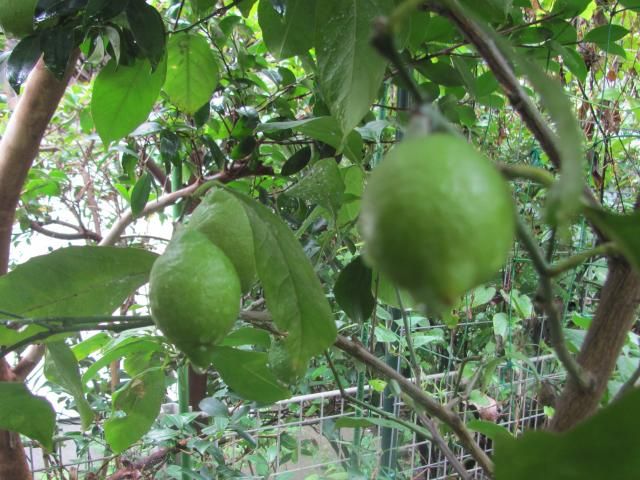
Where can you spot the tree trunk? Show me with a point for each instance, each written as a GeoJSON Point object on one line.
{"type": "Point", "coordinates": [18, 149]}
{"type": "Point", "coordinates": [616, 314]}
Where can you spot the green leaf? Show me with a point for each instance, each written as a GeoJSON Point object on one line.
{"type": "Point", "coordinates": [26, 413]}
{"type": "Point", "coordinates": [573, 60]}
{"type": "Point", "coordinates": [293, 292]}
{"type": "Point", "coordinates": [296, 162]}
{"type": "Point", "coordinates": [123, 96]}
{"type": "Point", "coordinates": [353, 290]}
{"type": "Point", "coordinates": [247, 374]}
{"type": "Point", "coordinates": [140, 194]}
{"type": "Point", "coordinates": [288, 29]}
{"type": "Point", "coordinates": [140, 400]}
{"type": "Point", "coordinates": [192, 71]}
{"type": "Point", "coordinates": [606, 34]}
{"type": "Point", "coordinates": [353, 422]}
{"type": "Point", "coordinates": [564, 197]}
{"type": "Point", "coordinates": [323, 185]}
{"type": "Point", "coordinates": [148, 30]}
{"type": "Point", "coordinates": [74, 281]}
{"type": "Point", "coordinates": [489, 429]}
{"type": "Point", "coordinates": [624, 230]}
{"type": "Point", "coordinates": [202, 6]}
{"type": "Point", "coordinates": [569, 8]}
{"type": "Point", "coordinates": [597, 448]}
{"type": "Point", "coordinates": [350, 71]}
{"type": "Point", "coordinates": [23, 58]}
{"type": "Point", "coordinates": [57, 44]}
{"type": "Point", "coordinates": [118, 349]}
{"type": "Point", "coordinates": [247, 336]}
{"type": "Point", "coordinates": [245, 6]}
{"type": "Point", "coordinates": [325, 129]}
{"type": "Point", "coordinates": [85, 348]}
{"type": "Point", "coordinates": [61, 368]}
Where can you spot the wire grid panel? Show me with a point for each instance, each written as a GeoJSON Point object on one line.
{"type": "Point", "coordinates": [306, 443]}
{"type": "Point", "coordinates": [414, 457]}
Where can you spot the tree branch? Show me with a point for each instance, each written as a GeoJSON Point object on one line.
{"type": "Point", "coordinates": [81, 235]}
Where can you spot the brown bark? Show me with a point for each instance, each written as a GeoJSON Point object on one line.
{"type": "Point", "coordinates": [197, 388]}
{"type": "Point", "coordinates": [18, 149]}
{"type": "Point", "coordinates": [616, 314]}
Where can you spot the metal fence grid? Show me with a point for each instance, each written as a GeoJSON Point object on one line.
{"type": "Point", "coordinates": [323, 451]}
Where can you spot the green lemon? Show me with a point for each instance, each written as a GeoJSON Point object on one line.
{"type": "Point", "coordinates": [222, 218]}
{"type": "Point", "coordinates": [194, 294]}
{"type": "Point", "coordinates": [437, 218]}
{"type": "Point", "coordinates": [16, 16]}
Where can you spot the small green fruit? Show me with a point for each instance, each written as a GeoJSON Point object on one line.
{"type": "Point", "coordinates": [224, 221]}
{"type": "Point", "coordinates": [437, 218]}
{"type": "Point", "coordinates": [194, 293]}
{"type": "Point", "coordinates": [16, 16]}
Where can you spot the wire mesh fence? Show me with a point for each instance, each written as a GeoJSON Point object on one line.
{"type": "Point", "coordinates": [306, 437]}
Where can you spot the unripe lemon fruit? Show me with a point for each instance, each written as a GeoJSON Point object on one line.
{"type": "Point", "coordinates": [437, 218]}
{"type": "Point", "coordinates": [194, 294]}
{"type": "Point", "coordinates": [16, 16]}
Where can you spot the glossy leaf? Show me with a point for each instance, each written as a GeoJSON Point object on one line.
{"type": "Point", "coordinates": [57, 45]}
{"type": "Point", "coordinates": [123, 96]}
{"type": "Point", "coordinates": [323, 185]}
{"type": "Point", "coordinates": [288, 29]}
{"type": "Point", "coordinates": [350, 71]}
{"type": "Point", "coordinates": [26, 413]}
{"type": "Point", "coordinates": [74, 281]}
{"type": "Point", "coordinates": [606, 34]}
{"type": "Point", "coordinates": [192, 71]}
{"type": "Point", "coordinates": [23, 58]}
{"type": "Point", "coordinates": [148, 30]}
{"type": "Point", "coordinates": [325, 129]}
{"type": "Point", "coordinates": [246, 373]}
{"type": "Point", "coordinates": [597, 448]}
{"type": "Point", "coordinates": [140, 400]}
{"type": "Point", "coordinates": [293, 292]}
{"type": "Point", "coordinates": [61, 368]}
{"type": "Point", "coordinates": [353, 290]}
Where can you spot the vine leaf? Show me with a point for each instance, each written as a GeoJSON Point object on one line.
{"type": "Point", "coordinates": [624, 230]}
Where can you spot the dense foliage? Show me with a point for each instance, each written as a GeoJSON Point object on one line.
{"type": "Point", "coordinates": [255, 124]}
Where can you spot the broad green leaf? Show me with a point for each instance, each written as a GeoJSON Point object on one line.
{"type": "Point", "coordinates": [57, 44]}
{"type": "Point", "coordinates": [325, 129]}
{"type": "Point", "coordinates": [293, 292]}
{"type": "Point", "coordinates": [350, 71]}
{"type": "Point", "coordinates": [573, 60]}
{"type": "Point", "coordinates": [606, 34]}
{"type": "Point", "coordinates": [353, 291]}
{"type": "Point", "coordinates": [72, 282]}
{"type": "Point", "coordinates": [61, 368]}
{"type": "Point", "coordinates": [624, 230]}
{"type": "Point", "coordinates": [353, 178]}
{"type": "Point", "coordinates": [501, 325]}
{"type": "Point", "coordinates": [147, 27]}
{"type": "Point", "coordinates": [322, 185]}
{"type": "Point", "coordinates": [123, 96]}
{"type": "Point", "coordinates": [202, 6]}
{"type": "Point", "coordinates": [569, 8]}
{"type": "Point", "coordinates": [192, 71]}
{"type": "Point", "coordinates": [287, 28]}
{"type": "Point", "coordinates": [247, 374]}
{"type": "Point", "coordinates": [140, 400]}
{"type": "Point", "coordinates": [140, 194]}
{"type": "Point", "coordinates": [26, 413]}
{"type": "Point", "coordinates": [598, 448]}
